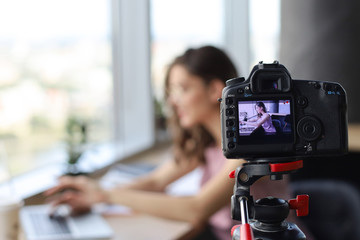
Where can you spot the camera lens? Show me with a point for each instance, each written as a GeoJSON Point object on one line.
{"type": "Point", "coordinates": [309, 128]}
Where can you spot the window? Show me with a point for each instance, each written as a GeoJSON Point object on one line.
{"type": "Point", "coordinates": [102, 61]}
{"type": "Point", "coordinates": [264, 25]}
{"type": "Point", "coordinates": [175, 26]}
{"type": "Point", "coordinates": [247, 30]}
{"type": "Point", "coordinates": [65, 58]}
{"type": "Point", "coordinates": [55, 63]}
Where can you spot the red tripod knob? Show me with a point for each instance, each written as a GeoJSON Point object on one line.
{"type": "Point", "coordinates": [242, 232]}
{"type": "Point", "coordinates": [301, 204]}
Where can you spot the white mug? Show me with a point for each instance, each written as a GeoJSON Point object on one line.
{"type": "Point", "coordinates": [9, 217]}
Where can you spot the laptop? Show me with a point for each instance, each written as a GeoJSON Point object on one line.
{"type": "Point", "coordinates": [38, 225]}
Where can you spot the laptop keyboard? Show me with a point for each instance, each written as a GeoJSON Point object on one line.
{"type": "Point", "coordinates": [44, 225]}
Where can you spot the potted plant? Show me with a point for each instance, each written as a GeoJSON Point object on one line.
{"type": "Point", "coordinates": [76, 140]}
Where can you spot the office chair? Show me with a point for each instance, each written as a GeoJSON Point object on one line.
{"type": "Point", "coordinates": [334, 208]}
{"type": "Point", "coordinates": [277, 125]}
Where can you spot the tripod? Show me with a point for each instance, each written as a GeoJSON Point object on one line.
{"type": "Point", "coordinates": [265, 218]}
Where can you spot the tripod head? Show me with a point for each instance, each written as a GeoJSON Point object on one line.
{"type": "Point", "coordinates": [267, 214]}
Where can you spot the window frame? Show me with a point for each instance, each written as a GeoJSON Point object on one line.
{"type": "Point", "coordinates": [236, 36]}
{"type": "Point", "coordinates": [131, 74]}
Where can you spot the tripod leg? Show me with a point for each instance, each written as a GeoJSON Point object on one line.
{"type": "Point", "coordinates": [243, 231]}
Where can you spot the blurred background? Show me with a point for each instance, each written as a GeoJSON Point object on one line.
{"type": "Point", "coordinates": [103, 62]}
{"type": "Point", "coordinates": [57, 61]}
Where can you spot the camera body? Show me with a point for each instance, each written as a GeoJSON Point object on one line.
{"type": "Point", "coordinates": [271, 115]}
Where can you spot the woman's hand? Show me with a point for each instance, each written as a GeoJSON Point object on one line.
{"type": "Point", "coordinates": [78, 192]}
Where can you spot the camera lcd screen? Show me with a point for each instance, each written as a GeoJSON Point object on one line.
{"type": "Point", "coordinates": [265, 121]}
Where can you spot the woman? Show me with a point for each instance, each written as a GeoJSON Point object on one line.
{"type": "Point", "coordinates": [263, 120]}
{"type": "Point", "coordinates": [194, 83]}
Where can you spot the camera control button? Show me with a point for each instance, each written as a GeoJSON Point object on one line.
{"type": "Point", "coordinates": [327, 87]}
{"type": "Point", "coordinates": [229, 101]}
{"type": "Point", "coordinates": [231, 145]}
{"type": "Point", "coordinates": [302, 101]}
{"type": "Point", "coordinates": [241, 90]}
{"type": "Point", "coordinates": [229, 112]}
{"type": "Point", "coordinates": [230, 134]}
{"type": "Point", "coordinates": [230, 123]}
{"type": "Point", "coordinates": [337, 88]}
{"type": "Point", "coordinates": [317, 86]}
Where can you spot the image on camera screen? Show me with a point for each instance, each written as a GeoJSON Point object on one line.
{"type": "Point", "coordinates": [263, 119]}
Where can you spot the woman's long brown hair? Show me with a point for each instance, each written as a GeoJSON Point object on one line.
{"type": "Point", "coordinates": [208, 63]}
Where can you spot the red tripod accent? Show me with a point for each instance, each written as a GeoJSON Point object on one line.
{"type": "Point", "coordinates": [245, 177]}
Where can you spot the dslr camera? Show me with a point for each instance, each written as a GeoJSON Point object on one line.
{"type": "Point", "coordinates": [272, 115]}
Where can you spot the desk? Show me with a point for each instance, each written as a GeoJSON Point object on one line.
{"type": "Point", "coordinates": [141, 226]}
{"type": "Point", "coordinates": [354, 137]}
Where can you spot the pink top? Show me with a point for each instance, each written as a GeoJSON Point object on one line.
{"type": "Point", "coordinates": [221, 221]}
{"type": "Point", "coordinates": [268, 126]}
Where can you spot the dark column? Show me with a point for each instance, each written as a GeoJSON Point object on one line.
{"type": "Point", "coordinates": [320, 40]}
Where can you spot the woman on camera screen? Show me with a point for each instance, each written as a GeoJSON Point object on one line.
{"type": "Point", "coordinates": [194, 82]}
{"type": "Point", "coordinates": [263, 122]}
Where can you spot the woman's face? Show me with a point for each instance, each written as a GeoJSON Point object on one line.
{"type": "Point", "coordinates": [259, 109]}
{"type": "Point", "coordinates": [190, 97]}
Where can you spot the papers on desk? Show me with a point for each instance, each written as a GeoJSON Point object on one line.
{"type": "Point", "coordinates": [188, 185]}
{"type": "Point", "coordinates": [121, 174]}
{"type": "Point", "coordinates": [113, 209]}
{"type": "Point", "coordinates": [125, 173]}
{"type": "Point", "coordinates": [118, 175]}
